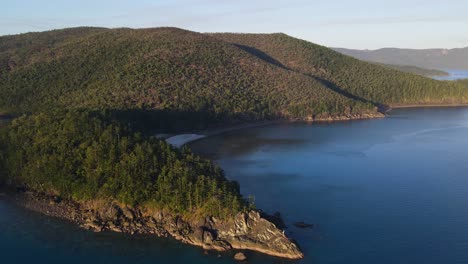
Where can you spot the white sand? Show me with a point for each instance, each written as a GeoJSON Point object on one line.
{"type": "Point", "coordinates": [182, 139]}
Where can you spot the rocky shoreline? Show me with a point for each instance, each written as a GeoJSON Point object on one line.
{"type": "Point", "coordinates": [344, 117]}
{"type": "Point", "coordinates": [246, 231]}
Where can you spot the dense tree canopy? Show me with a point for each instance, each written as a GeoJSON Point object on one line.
{"type": "Point", "coordinates": [163, 69]}
{"type": "Point", "coordinates": [83, 156]}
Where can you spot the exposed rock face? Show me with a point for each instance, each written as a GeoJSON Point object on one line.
{"type": "Point", "coordinates": [247, 230]}
{"type": "Point", "coordinates": [250, 231]}
{"type": "Point", "coordinates": [326, 117]}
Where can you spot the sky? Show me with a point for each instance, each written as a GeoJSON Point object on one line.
{"type": "Point", "coordinates": [358, 24]}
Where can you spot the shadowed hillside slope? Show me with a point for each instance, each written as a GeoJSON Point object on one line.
{"type": "Point", "coordinates": [363, 80]}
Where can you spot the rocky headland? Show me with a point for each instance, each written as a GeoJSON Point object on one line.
{"type": "Point", "coordinates": [246, 231]}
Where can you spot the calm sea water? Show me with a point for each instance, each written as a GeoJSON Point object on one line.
{"type": "Point", "coordinates": [391, 190]}
{"type": "Point", "coordinates": [453, 75]}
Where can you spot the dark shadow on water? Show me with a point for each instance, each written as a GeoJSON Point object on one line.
{"type": "Point", "coordinates": [234, 145]}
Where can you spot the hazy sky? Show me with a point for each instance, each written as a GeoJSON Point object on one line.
{"type": "Point", "coordinates": [352, 24]}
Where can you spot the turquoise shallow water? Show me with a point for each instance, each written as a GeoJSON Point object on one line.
{"type": "Point", "coordinates": [391, 190]}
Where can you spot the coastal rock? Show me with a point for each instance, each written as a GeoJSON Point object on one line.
{"type": "Point", "coordinates": [247, 230]}
{"type": "Point", "coordinates": [251, 231]}
{"type": "Point", "coordinates": [111, 212]}
{"type": "Point", "coordinates": [93, 225]}
{"type": "Point", "coordinates": [208, 237]}
{"type": "Point", "coordinates": [128, 213]}
{"type": "Point", "coordinates": [275, 219]}
{"type": "Point", "coordinates": [240, 256]}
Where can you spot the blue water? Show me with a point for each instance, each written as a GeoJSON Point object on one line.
{"type": "Point", "coordinates": [391, 190]}
{"type": "Point", "coordinates": [453, 75]}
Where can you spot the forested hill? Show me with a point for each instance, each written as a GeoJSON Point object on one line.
{"type": "Point", "coordinates": [164, 69]}
{"type": "Point", "coordinates": [367, 81]}
{"type": "Point", "coordinates": [200, 78]}
{"type": "Point", "coordinates": [425, 58]}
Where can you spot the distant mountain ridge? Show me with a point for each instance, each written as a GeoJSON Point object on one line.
{"type": "Point", "coordinates": [442, 59]}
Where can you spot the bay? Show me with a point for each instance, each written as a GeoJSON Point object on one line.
{"type": "Point", "coordinates": [392, 190]}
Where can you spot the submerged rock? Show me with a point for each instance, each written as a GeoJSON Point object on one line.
{"type": "Point", "coordinates": [240, 256]}
{"type": "Point", "coordinates": [303, 225]}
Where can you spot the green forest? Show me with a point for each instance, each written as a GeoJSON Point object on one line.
{"type": "Point", "coordinates": [83, 155]}
{"type": "Point", "coordinates": [87, 101]}
{"type": "Point", "coordinates": [218, 78]}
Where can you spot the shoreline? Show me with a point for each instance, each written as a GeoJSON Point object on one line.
{"type": "Point", "coordinates": [226, 129]}
{"type": "Point", "coordinates": [249, 230]}
{"type": "Point", "coordinates": [202, 134]}
{"type": "Point", "coordinates": [425, 106]}
{"type": "Point", "coordinates": [215, 234]}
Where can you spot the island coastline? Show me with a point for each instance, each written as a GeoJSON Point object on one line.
{"type": "Point", "coordinates": [249, 230]}
{"type": "Point", "coordinates": [174, 226]}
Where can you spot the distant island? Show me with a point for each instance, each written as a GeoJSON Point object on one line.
{"type": "Point", "coordinates": [439, 59]}
{"type": "Point", "coordinates": [88, 102]}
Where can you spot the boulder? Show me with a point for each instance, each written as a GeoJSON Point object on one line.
{"type": "Point", "coordinates": [111, 212]}
{"type": "Point", "coordinates": [128, 213]}
{"type": "Point", "coordinates": [208, 237]}
{"type": "Point", "coordinates": [239, 256]}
